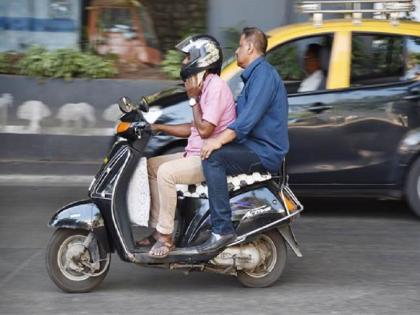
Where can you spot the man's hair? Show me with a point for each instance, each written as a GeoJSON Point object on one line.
{"type": "Point", "coordinates": [257, 37]}
{"type": "Point", "coordinates": [314, 50]}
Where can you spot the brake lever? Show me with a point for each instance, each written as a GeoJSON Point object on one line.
{"type": "Point", "coordinates": [138, 128]}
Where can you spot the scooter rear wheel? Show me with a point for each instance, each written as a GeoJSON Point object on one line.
{"type": "Point", "coordinates": [270, 270]}
{"type": "Point", "coordinates": [62, 269]}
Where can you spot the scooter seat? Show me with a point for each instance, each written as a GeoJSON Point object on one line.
{"type": "Point", "coordinates": [234, 183]}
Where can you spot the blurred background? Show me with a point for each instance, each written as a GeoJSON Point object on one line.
{"type": "Point", "coordinates": [65, 63]}
{"type": "Point", "coordinates": [49, 48]}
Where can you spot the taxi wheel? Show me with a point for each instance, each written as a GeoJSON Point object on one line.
{"type": "Point", "coordinates": [412, 188]}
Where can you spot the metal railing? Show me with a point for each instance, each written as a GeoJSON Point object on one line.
{"type": "Point", "coordinates": [388, 9]}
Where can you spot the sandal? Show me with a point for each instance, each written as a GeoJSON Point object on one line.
{"type": "Point", "coordinates": [161, 249]}
{"type": "Point", "coordinates": [146, 242]}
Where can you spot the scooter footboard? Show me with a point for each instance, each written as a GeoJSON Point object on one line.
{"type": "Point", "coordinates": [84, 215]}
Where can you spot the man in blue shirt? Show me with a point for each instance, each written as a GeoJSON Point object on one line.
{"type": "Point", "coordinates": [256, 142]}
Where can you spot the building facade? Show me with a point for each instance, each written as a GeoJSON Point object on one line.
{"type": "Point", "coordinates": [50, 23]}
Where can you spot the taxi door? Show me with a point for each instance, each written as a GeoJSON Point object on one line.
{"type": "Point", "coordinates": [374, 113]}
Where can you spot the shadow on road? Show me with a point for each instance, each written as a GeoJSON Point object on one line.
{"type": "Point", "coordinates": [52, 198]}
{"type": "Point", "coordinates": [347, 207]}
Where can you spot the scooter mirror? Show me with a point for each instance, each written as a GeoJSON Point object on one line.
{"type": "Point", "coordinates": [125, 104]}
{"type": "Point", "coordinates": [144, 105]}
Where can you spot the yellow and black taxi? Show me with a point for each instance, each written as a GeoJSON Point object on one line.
{"type": "Point", "coordinates": [354, 106]}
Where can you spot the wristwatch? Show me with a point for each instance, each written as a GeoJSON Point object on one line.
{"type": "Point", "coordinates": [192, 101]}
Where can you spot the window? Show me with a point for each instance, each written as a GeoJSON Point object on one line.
{"type": "Point", "coordinates": [302, 68]}
{"type": "Point", "coordinates": [376, 59]}
{"type": "Point", "coordinates": [148, 28]}
{"type": "Point", "coordinates": [412, 59]}
{"type": "Point", "coordinates": [60, 9]}
{"type": "Point", "coordinates": [117, 20]}
{"type": "Point", "coordinates": [303, 63]}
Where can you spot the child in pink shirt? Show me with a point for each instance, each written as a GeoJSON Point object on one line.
{"type": "Point", "coordinates": [213, 110]}
{"type": "Point", "coordinates": [217, 107]}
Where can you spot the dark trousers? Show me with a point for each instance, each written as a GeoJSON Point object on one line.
{"type": "Point", "coordinates": [230, 159]}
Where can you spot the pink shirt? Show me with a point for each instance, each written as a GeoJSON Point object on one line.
{"type": "Point", "coordinates": [218, 108]}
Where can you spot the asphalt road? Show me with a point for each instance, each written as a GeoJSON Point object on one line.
{"type": "Point", "coordinates": [359, 258]}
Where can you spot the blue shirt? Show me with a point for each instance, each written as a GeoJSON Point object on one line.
{"type": "Point", "coordinates": [262, 114]}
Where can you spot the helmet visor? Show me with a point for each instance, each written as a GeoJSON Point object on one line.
{"type": "Point", "coordinates": [185, 45]}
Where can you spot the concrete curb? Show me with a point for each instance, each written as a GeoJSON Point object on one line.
{"type": "Point", "coordinates": [45, 180]}
{"type": "Point", "coordinates": [54, 119]}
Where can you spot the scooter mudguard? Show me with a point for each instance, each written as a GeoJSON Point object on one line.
{"type": "Point", "coordinates": [287, 233]}
{"type": "Point", "coordinates": [84, 215]}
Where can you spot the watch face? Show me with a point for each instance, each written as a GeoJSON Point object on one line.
{"type": "Point", "coordinates": [192, 101]}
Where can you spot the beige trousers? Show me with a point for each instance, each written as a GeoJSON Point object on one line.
{"type": "Point", "coordinates": [165, 171]}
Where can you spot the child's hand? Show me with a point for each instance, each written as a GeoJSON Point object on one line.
{"type": "Point", "coordinates": [193, 87]}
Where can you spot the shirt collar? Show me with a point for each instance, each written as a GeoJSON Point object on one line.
{"type": "Point", "coordinates": [248, 71]}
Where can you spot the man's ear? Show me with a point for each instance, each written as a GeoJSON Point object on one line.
{"type": "Point", "coordinates": [250, 48]}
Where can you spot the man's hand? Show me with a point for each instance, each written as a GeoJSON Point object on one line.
{"type": "Point", "coordinates": [211, 144]}
{"type": "Point", "coordinates": [193, 87]}
{"type": "Point", "coordinates": [208, 147]}
{"type": "Point", "coordinates": [155, 128]}
{"type": "Point", "coordinates": [180, 130]}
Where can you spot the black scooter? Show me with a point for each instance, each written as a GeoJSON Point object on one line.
{"type": "Point", "coordinates": [87, 232]}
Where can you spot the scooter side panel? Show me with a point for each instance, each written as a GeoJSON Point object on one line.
{"type": "Point", "coordinates": [83, 215]}
{"type": "Point", "coordinates": [198, 225]}
{"type": "Point", "coordinates": [255, 209]}
{"type": "Point", "coordinates": [251, 209]}
{"type": "Point", "coordinates": [119, 213]}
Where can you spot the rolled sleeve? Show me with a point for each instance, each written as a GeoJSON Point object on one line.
{"type": "Point", "coordinates": [240, 137]}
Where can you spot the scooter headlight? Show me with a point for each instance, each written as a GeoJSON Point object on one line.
{"type": "Point", "coordinates": [122, 127]}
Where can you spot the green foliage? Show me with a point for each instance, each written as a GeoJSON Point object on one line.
{"type": "Point", "coordinates": [97, 67]}
{"type": "Point", "coordinates": [231, 35]}
{"type": "Point", "coordinates": [195, 27]}
{"type": "Point", "coordinates": [377, 56]}
{"type": "Point", "coordinates": [65, 63]}
{"type": "Point", "coordinates": [285, 61]}
{"type": "Point", "coordinates": [172, 60]}
{"type": "Point", "coordinates": [8, 63]}
{"type": "Point", "coordinates": [3, 63]}
{"type": "Point", "coordinates": [171, 64]}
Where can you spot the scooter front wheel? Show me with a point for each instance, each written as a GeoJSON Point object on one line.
{"type": "Point", "coordinates": [273, 248]}
{"type": "Point", "coordinates": [67, 262]}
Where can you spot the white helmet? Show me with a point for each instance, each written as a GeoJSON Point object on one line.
{"type": "Point", "coordinates": [205, 54]}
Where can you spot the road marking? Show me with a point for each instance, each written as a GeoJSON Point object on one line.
{"type": "Point", "coordinates": [11, 275]}
{"type": "Point", "coordinates": [45, 180]}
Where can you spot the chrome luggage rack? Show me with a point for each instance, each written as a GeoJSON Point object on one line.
{"type": "Point", "coordinates": [388, 9]}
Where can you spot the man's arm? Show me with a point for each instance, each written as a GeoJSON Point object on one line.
{"type": "Point", "coordinates": [204, 128]}
{"type": "Point", "coordinates": [228, 135]}
{"type": "Point", "coordinates": [181, 130]}
{"type": "Point", "coordinates": [259, 99]}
